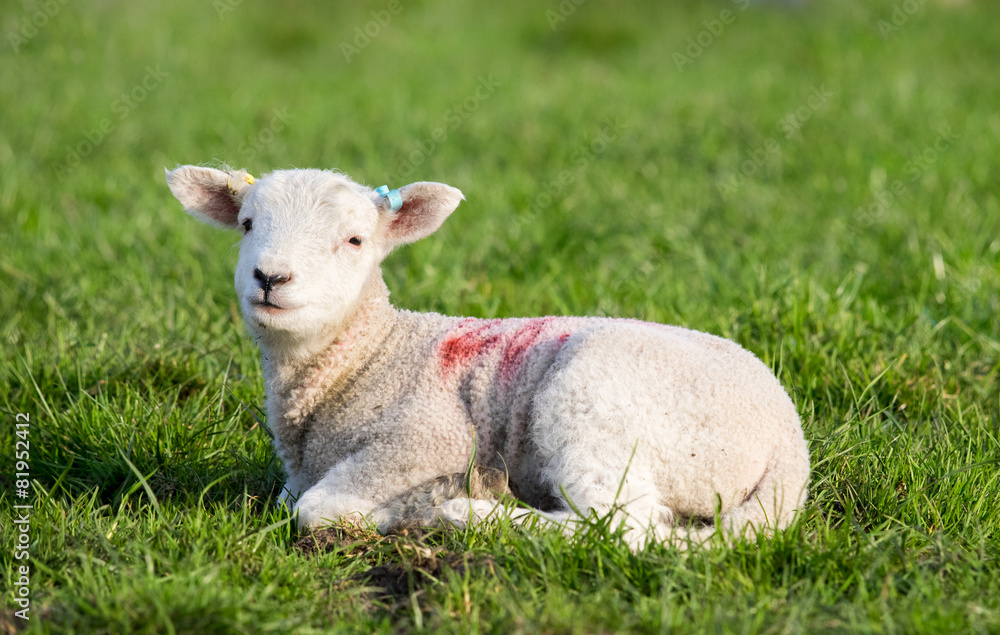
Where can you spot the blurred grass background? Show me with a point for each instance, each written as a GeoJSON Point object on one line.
{"type": "Point", "coordinates": [816, 181]}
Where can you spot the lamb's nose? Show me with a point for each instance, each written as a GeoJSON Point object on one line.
{"type": "Point", "coordinates": [267, 283]}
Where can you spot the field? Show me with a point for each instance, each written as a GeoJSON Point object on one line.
{"type": "Point", "coordinates": [817, 182]}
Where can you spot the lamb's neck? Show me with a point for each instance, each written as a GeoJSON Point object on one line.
{"type": "Point", "coordinates": [296, 384]}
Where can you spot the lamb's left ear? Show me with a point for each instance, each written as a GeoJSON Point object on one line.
{"type": "Point", "coordinates": [424, 207]}
{"type": "Point", "coordinates": [210, 195]}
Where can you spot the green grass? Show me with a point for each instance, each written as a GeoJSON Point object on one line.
{"type": "Point", "coordinates": [154, 486]}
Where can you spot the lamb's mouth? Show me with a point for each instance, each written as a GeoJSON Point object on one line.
{"type": "Point", "coordinates": [266, 306]}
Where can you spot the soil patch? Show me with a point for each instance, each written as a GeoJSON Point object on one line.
{"type": "Point", "coordinates": [396, 580]}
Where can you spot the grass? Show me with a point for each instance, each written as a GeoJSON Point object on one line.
{"type": "Point", "coordinates": [854, 247]}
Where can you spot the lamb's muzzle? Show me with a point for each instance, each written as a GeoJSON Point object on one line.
{"type": "Point", "coordinates": [376, 410]}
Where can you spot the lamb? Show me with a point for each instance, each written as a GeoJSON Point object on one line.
{"type": "Point", "coordinates": [676, 433]}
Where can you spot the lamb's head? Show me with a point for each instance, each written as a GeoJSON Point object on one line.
{"type": "Point", "coordinates": [312, 242]}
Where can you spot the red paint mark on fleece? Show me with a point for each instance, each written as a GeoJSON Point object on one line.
{"type": "Point", "coordinates": [522, 341]}
{"type": "Point", "coordinates": [462, 347]}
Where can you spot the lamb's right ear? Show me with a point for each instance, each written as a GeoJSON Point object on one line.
{"type": "Point", "coordinates": [210, 195]}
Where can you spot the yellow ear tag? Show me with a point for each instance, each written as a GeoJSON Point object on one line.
{"type": "Point", "coordinates": [246, 177]}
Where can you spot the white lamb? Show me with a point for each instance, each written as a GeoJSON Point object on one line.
{"type": "Point", "coordinates": [667, 428]}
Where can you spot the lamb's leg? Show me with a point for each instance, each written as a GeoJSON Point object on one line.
{"type": "Point", "coordinates": [633, 507]}
{"type": "Point", "coordinates": [455, 500]}
{"type": "Point", "coordinates": [449, 500]}
{"type": "Point", "coordinates": [636, 507]}
{"type": "Point", "coordinates": [771, 505]}
{"type": "Point", "coordinates": [328, 501]}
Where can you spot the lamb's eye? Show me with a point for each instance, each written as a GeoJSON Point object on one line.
{"type": "Point", "coordinates": [247, 225]}
{"type": "Point", "coordinates": [356, 241]}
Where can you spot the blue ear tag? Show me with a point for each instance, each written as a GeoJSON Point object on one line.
{"type": "Point", "coordinates": [395, 200]}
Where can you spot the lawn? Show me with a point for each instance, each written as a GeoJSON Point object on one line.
{"type": "Point", "coordinates": [816, 182]}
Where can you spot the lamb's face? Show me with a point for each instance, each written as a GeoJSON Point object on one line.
{"type": "Point", "coordinates": [312, 241]}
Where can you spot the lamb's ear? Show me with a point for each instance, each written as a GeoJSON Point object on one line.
{"type": "Point", "coordinates": [210, 195]}
{"type": "Point", "coordinates": [424, 207]}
